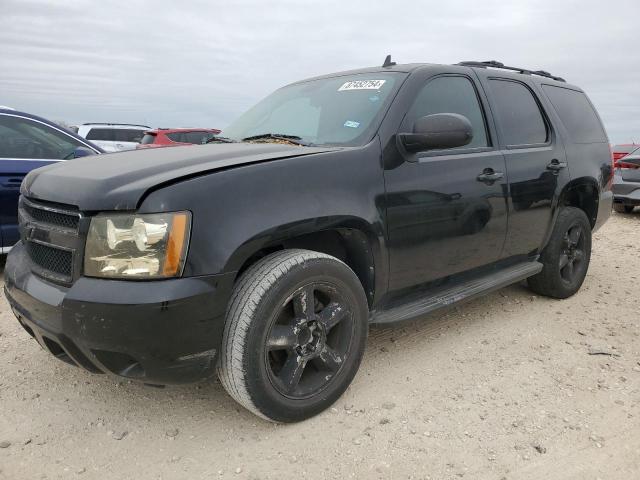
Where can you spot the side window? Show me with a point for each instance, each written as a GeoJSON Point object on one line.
{"type": "Point", "coordinates": [197, 138]}
{"type": "Point", "coordinates": [518, 113]}
{"type": "Point", "coordinates": [24, 138]}
{"type": "Point", "coordinates": [451, 95]}
{"type": "Point", "coordinates": [577, 114]}
{"type": "Point", "coordinates": [128, 135]}
{"type": "Point", "coordinates": [176, 137]}
{"type": "Point", "coordinates": [101, 134]}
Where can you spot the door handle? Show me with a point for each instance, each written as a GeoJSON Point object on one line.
{"type": "Point", "coordinates": [489, 176]}
{"type": "Point", "coordinates": [556, 166]}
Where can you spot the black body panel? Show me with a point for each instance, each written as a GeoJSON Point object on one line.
{"type": "Point", "coordinates": [119, 182]}
{"type": "Point", "coordinates": [420, 229]}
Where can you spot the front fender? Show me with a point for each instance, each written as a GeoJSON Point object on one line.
{"type": "Point", "coordinates": [238, 211]}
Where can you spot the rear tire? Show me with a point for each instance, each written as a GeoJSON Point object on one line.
{"type": "Point", "coordinates": [566, 257]}
{"type": "Point", "coordinates": [294, 336]}
{"type": "Point", "coordinates": [621, 208]}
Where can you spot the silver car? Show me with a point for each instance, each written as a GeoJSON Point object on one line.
{"type": "Point", "coordinates": [626, 183]}
{"type": "Point", "coordinates": [113, 137]}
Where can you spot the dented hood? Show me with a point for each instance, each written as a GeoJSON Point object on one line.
{"type": "Point", "coordinates": [119, 181]}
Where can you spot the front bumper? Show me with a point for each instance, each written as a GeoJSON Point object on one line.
{"type": "Point", "coordinates": [160, 332]}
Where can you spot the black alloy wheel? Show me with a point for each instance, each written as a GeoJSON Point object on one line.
{"type": "Point", "coordinates": [572, 255]}
{"type": "Point", "coordinates": [309, 340]}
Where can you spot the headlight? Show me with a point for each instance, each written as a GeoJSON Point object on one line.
{"type": "Point", "coordinates": [137, 246]}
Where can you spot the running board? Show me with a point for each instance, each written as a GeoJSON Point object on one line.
{"type": "Point", "coordinates": [466, 291]}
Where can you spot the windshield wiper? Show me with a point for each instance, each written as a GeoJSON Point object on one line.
{"type": "Point", "coordinates": [220, 139]}
{"type": "Point", "coordinates": [293, 139]}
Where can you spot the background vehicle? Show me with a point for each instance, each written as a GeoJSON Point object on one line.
{"type": "Point", "coordinates": [28, 142]}
{"type": "Point", "coordinates": [173, 137]}
{"type": "Point", "coordinates": [626, 183]}
{"type": "Point", "coordinates": [622, 150]}
{"type": "Point", "coordinates": [113, 137]}
{"type": "Point", "coordinates": [365, 197]}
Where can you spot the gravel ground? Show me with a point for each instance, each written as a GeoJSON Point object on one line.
{"type": "Point", "coordinates": [511, 386]}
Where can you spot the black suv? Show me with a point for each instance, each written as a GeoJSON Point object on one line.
{"type": "Point", "coordinates": [364, 197]}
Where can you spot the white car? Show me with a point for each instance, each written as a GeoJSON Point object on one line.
{"type": "Point", "coordinates": [113, 137]}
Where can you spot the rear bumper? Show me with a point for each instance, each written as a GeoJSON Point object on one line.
{"type": "Point", "coordinates": [162, 332]}
{"type": "Point", "coordinates": [625, 192]}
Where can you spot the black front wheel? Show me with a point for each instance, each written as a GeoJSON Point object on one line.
{"type": "Point", "coordinates": [566, 256]}
{"type": "Point", "coordinates": [294, 336]}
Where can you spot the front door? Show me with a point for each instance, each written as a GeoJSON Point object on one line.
{"type": "Point", "coordinates": [446, 209]}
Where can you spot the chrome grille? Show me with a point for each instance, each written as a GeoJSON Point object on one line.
{"type": "Point", "coordinates": [51, 236]}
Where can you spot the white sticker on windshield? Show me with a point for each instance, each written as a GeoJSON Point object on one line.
{"type": "Point", "coordinates": [362, 85]}
{"type": "Point", "coordinates": [351, 124]}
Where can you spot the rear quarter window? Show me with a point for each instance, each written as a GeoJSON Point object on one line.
{"type": "Point", "coordinates": [576, 114]}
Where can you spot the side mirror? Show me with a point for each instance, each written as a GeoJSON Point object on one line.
{"type": "Point", "coordinates": [438, 131]}
{"type": "Point", "coordinates": [82, 152]}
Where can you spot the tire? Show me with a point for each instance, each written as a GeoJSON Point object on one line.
{"type": "Point", "coordinates": [284, 358]}
{"type": "Point", "coordinates": [622, 208]}
{"type": "Point", "coordinates": [566, 257]}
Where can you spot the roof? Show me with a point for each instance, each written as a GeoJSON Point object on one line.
{"type": "Point", "coordinates": [504, 71]}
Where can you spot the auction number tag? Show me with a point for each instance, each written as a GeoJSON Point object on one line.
{"type": "Point", "coordinates": [362, 85]}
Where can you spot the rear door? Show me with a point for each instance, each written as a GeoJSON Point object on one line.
{"type": "Point", "coordinates": [535, 159]}
{"type": "Point", "coordinates": [446, 209]}
{"type": "Point", "coordinates": [25, 144]}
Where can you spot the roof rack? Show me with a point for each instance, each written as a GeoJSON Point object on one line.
{"type": "Point", "coordinates": [117, 124]}
{"type": "Point", "coordinates": [495, 64]}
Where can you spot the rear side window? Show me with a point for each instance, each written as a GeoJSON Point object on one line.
{"type": "Point", "coordinates": [128, 135]}
{"type": "Point", "coordinates": [577, 114]}
{"type": "Point", "coordinates": [451, 95]}
{"type": "Point", "coordinates": [101, 134]}
{"type": "Point", "coordinates": [518, 113]}
{"type": "Point", "coordinates": [198, 137]}
{"type": "Point", "coordinates": [176, 137]}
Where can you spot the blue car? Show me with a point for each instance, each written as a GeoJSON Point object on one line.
{"type": "Point", "coordinates": [28, 142]}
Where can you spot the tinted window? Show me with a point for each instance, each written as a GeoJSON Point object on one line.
{"type": "Point", "coordinates": [197, 138]}
{"type": "Point", "coordinates": [148, 138]}
{"type": "Point", "coordinates": [451, 95]}
{"type": "Point", "coordinates": [24, 138]}
{"type": "Point", "coordinates": [518, 113]}
{"type": "Point", "coordinates": [176, 137]}
{"type": "Point", "coordinates": [577, 114]}
{"type": "Point", "coordinates": [127, 135]}
{"type": "Point", "coordinates": [101, 134]}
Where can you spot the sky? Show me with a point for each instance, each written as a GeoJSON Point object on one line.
{"type": "Point", "coordinates": [202, 63]}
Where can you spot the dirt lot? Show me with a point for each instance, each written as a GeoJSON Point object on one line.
{"type": "Point", "coordinates": [510, 386]}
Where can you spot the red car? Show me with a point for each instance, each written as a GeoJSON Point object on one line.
{"type": "Point", "coordinates": [175, 137]}
{"type": "Point", "coordinates": [622, 150]}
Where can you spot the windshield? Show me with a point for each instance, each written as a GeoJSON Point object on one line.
{"type": "Point", "coordinates": [343, 110]}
